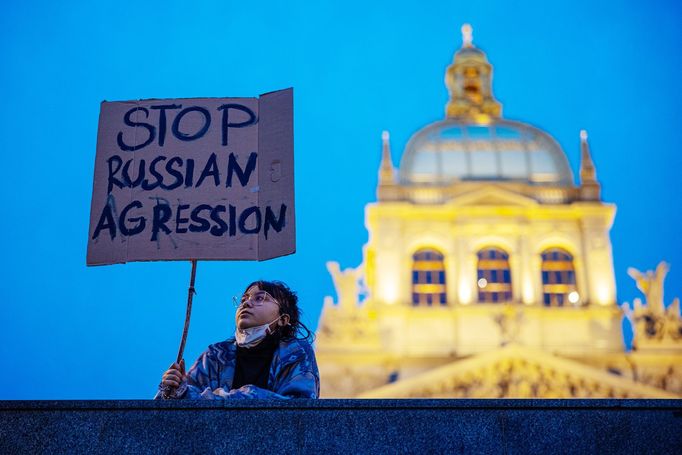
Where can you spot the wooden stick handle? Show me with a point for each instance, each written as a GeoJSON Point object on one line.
{"type": "Point", "coordinates": [188, 313]}
{"type": "Point", "coordinates": [168, 392]}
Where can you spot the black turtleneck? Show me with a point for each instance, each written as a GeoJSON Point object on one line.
{"type": "Point", "coordinates": [253, 364]}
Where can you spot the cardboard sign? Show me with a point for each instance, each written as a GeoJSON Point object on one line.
{"type": "Point", "coordinates": [204, 178]}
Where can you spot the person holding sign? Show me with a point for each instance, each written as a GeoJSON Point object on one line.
{"type": "Point", "coordinates": [267, 358]}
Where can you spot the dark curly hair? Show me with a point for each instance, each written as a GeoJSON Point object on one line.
{"type": "Point", "coordinates": [288, 304]}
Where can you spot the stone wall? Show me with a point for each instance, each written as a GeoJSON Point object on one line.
{"type": "Point", "coordinates": [342, 426]}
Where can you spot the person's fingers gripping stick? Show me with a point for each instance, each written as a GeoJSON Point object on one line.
{"type": "Point", "coordinates": [174, 375]}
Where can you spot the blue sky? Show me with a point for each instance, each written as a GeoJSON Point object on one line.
{"type": "Point", "coordinates": [357, 68]}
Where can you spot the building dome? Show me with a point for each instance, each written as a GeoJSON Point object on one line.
{"type": "Point", "coordinates": [474, 142]}
{"type": "Point", "coordinates": [454, 150]}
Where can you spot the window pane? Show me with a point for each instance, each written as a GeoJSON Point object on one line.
{"type": "Point", "coordinates": [428, 277]}
{"type": "Point", "coordinates": [514, 164]}
{"type": "Point", "coordinates": [558, 276]}
{"type": "Point", "coordinates": [484, 164]}
{"type": "Point", "coordinates": [455, 165]}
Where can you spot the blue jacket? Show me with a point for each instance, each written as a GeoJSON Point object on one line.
{"type": "Point", "coordinates": [293, 374]}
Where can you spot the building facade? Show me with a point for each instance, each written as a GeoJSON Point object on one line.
{"type": "Point", "coordinates": [488, 271]}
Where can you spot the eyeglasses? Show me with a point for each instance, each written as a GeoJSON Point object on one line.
{"type": "Point", "coordinates": [257, 299]}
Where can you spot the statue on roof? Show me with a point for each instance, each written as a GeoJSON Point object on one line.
{"type": "Point", "coordinates": [651, 285]}
{"type": "Point", "coordinates": [346, 283]}
{"type": "Point", "coordinates": [652, 323]}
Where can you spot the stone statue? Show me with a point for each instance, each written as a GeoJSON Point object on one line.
{"type": "Point", "coordinates": [651, 285]}
{"type": "Point", "coordinates": [672, 324]}
{"type": "Point", "coordinates": [509, 320]}
{"type": "Point", "coordinates": [652, 323]}
{"type": "Point", "coordinates": [674, 308]}
{"type": "Point", "coordinates": [346, 284]}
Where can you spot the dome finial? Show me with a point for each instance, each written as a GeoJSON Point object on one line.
{"type": "Point", "coordinates": [386, 170]}
{"type": "Point", "coordinates": [469, 81]}
{"type": "Point", "coordinates": [467, 35]}
{"type": "Point", "coordinates": [590, 189]}
{"type": "Point", "coordinates": [583, 135]}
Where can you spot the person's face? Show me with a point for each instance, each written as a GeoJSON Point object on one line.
{"type": "Point", "coordinates": [257, 308]}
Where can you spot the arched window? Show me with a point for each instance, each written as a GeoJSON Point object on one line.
{"type": "Point", "coordinates": [494, 276]}
{"type": "Point", "coordinates": [558, 278]}
{"type": "Point", "coordinates": [428, 278]}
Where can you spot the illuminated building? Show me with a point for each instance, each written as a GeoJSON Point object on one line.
{"type": "Point", "coordinates": [488, 272]}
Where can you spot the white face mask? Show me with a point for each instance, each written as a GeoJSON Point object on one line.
{"type": "Point", "coordinates": [248, 338]}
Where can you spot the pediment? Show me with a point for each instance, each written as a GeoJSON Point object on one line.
{"type": "Point", "coordinates": [516, 372]}
{"type": "Point", "coordinates": [493, 196]}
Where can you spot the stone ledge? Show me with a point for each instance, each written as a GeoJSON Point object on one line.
{"type": "Point", "coordinates": [342, 426]}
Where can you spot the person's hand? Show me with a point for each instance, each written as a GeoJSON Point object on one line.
{"type": "Point", "coordinates": [173, 377]}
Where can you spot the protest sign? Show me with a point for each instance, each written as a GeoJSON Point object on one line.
{"type": "Point", "coordinates": [194, 179]}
